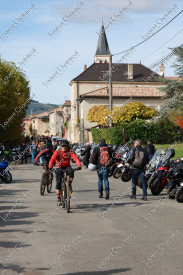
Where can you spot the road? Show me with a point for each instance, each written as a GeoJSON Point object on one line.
{"type": "Point", "coordinates": [105, 237]}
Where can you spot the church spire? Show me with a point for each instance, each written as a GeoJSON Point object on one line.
{"type": "Point", "coordinates": [102, 52]}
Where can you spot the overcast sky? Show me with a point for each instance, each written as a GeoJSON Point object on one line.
{"type": "Point", "coordinates": [50, 33]}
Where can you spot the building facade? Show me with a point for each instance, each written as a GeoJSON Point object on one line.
{"type": "Point", "coordinates": [130, 82]}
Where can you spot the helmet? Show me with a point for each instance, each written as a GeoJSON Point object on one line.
{"type": "Point", "coordinates": [92, 167]}
{"type": "Point", "coordinates": [48, 146]}
{"type": "Point", "coordinates": [64, 142]}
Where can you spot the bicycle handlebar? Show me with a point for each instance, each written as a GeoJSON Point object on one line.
{"type": "Point", "coordinates": [60, 169]}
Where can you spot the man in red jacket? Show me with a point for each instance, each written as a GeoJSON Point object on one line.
{"type": "Point", "coordinates": [62, 157]}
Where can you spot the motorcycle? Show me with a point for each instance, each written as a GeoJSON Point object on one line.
{"type": "Point", "coordinates": [118, 155]}
{"type": "Point", "coordinates": [124, 155]}
{"type": "Point", "coordinates": [179, 194]}
{"type": "Point", "coordinates": [16, 155]}
{"type": "Point", "coordinates": [79, 151]}
{"type": "Point", "coordinates": [153, 165]}
{"type": "Point", "coordinates": [5, 174]}
{"type": "Point", "coordinates": [160, 176]}
{"type": "Point", "coordinates": [175, 178]}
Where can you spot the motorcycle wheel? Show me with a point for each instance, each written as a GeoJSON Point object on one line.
{"type": "Point", "coordinates": [111, 169]}
{"type": "Point", "coordinates": [172, 192]}
{"type": "Point", "coordinates": [156, 187]}
{"type": "Point", "coordinates": [150, 182]}
{"type": "Point", "coordinates": [179, 194]}
{"type": "Point", "coordinates": [8, 177]}
{"type": "Point", "coordinates": [126, 176]}
{"type": "Point", "coordinates": [117, 173]}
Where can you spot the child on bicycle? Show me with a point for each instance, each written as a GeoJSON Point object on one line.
{"type": "Point", "coordinates": [62, 157]}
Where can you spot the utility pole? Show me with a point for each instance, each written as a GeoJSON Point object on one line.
{"type": "Point", "coordinates": [110, 87]}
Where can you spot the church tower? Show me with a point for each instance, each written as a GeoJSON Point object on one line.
{"type": "Point", "coordinates": [103, 53]}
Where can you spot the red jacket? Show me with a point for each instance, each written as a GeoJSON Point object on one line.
{"type": "Point", "coordinates": [64, 159]}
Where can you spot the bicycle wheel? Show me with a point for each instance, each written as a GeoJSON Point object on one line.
{"type": "Point", "coordinates": [68, 197]}
{"type": "Point", "coordinates": [64, 195]}
{"type": "Point", "coordinates": [49, 184]}
{"type": "Point", "coordinates": [42, 185]}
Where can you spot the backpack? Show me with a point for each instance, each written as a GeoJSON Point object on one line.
{"type": "Point", "coordinates": [104, 155]}
{"type": "Point", "coordinates": [139, 159]}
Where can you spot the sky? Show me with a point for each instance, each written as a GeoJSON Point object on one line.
{"type": "Point", "coordinates": [51, 41]}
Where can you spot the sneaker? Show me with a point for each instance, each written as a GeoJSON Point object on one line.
{"type": "Point", "coordinates": [133, 197]}
{"type": "Point", "coordinates": [107, 195]}
{"type": "Point", "coordinates": [63, 205]}
{"type": "Point", "coordinates": [59, 201]}
{"type": "Point", "coordinates": [144, 199]}
{"type": "Point", "coordinates": [100, 195]}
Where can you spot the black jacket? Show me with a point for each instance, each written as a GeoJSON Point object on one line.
{"type": "Point", "coordinates": [131, 157]}
{"type": "Point", "coordinates": [96, 154]}
{"type": "Point", "coordinates": [150, 149]}
{"type": "Point", "coordinates": [87, 149]}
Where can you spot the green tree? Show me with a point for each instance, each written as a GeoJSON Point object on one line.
{"type": "Point", "coordinates": [174, 88]}
{"type": "Point", "coordinates": [14, 100]}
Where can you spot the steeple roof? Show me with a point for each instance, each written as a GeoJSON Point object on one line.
{"type": "Point", "coordinates": [102, 47]}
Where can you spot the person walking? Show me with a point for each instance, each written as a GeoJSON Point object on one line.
{"type": "Point", "coordinates": [138, 158]}
{"type": "Point", "coordinates": [41, 147]}
{"type": "Point", "coordinates": [23, 151]}
{"type": "Point", "coordinates": [101, 157]}
{"type": "Point", "coordinates": [87, 153]}
{"type": "Point", "coordinates": [34, 151]}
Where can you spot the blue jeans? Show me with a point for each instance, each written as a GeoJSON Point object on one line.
{"type": "Point", "coordinates": [135, 174]}
{"type": "Point", "coordinates": [33, 158]}
{"type": "Point", "coordinates": [102, 175]}
{"type": "Point", "coordinates": [41, 159]}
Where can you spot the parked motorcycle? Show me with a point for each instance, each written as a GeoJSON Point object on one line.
{"type": "Point", "coordinates": [160, 176]}
{"type": "Point", "coordinates": [179, 193]}
{"type": "Point", "coordinates": [79, 150]}
{"type": "Point", "coordinates": [16, 155]}
{"type": "Point", "coordinates": [175, 177]}
{"type": "Point", "coordinates": [124, 155]}
{"type": "Point", "coordinates": [5, 174]}
{"type": "Point", "coordinates": [153, 165]}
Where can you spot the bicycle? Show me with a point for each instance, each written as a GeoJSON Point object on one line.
{"type": "Point", "coordinates": [66, 189]}
{"type": "Point", "coordinates": [46, 181]}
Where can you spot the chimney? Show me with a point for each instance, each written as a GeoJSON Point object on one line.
{"type": "Point", "coordinates": [85, 67]}
{"type": "Point", "coordinates": [130, 71]}
{"type": "Point", "coordinates": [162, 70]}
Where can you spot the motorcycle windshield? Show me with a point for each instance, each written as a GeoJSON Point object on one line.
{"type": "Point", "coordinates": [156, 157]}
{"type": "Point", "coordinates": [167, 156]}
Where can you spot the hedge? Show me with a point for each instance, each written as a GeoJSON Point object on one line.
{"type": "Point", "coordinates": [161, 132]}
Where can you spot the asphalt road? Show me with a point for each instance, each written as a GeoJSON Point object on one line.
{"type": "Point", "coordinates": [105, 237]}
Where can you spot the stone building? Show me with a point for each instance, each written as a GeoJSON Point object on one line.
{"type": "Point", "coordinates": [130, 82]}
{"type": "Point", "coordinates": [53, 122]}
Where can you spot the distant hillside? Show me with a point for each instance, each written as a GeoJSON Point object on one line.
{"type": "Point", "coordinates": [38, 108]}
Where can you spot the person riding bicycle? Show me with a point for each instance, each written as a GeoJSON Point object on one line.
{"type": "Point", "coordinates": [62, 157]}
{"type": "Point", "coordinates": [46, 154]}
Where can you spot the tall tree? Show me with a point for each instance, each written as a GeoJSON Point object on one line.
{"type": "Point", "coordinates": [174, 88]}
{"type": "Point", "coordinates": [14, 100]}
